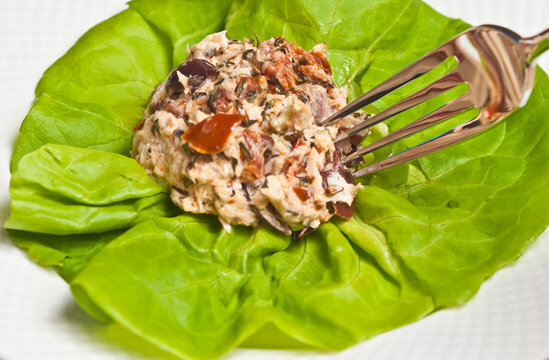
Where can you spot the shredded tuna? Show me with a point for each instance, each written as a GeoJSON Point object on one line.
{"type": "Point", "coordinates": [272, 163]}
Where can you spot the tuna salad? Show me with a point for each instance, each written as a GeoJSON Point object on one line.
{"type": "Point", "coordinates": [233, 131]}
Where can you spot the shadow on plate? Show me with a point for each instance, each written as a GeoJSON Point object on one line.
{"type": "Point", "coordinates": [118, 339]}
{"type": "Point", "coordinates": [112, 336]}
{"type": "Point", "coordinates": [4, 213]}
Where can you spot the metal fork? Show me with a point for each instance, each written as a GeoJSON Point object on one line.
{"type": "Point", "coordinates": [495, 62]}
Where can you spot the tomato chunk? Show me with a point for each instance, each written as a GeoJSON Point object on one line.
{"type": "Point", "coordinates": [301, 193]}
{"type": "Point", "coordinates": [210, 135]}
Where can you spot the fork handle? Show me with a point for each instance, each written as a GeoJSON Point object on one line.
{"type": "Point", "coordinates": [536, 45]}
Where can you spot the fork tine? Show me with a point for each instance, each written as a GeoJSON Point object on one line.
{"type": "Point", "coordinates": [457, 134]}
{"type": "Point", "coordinates": [409, 73]}
{"type": "Point", "coordinates": [452, 108]}
{"type": "Point", "coordinates": [437, 87]}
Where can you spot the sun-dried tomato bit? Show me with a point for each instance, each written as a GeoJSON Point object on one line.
{"type": "Point", "coordinates": [210, 135]}
{"type": "Point", "coordinates": [280, 72]}
{"type": "Point", "coordinates": [139, 126]}
{"type": "Point", "coordinates": [302, 193]}
{"type": "Point", "coordinates": [313, 65]}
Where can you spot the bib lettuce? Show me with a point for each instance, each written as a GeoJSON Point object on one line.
{"type": "Point", "coordinates": [425, 234]}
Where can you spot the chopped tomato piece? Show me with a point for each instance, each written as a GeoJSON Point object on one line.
{"type": "Point", "coordinates": [139, 126]}
{"type": "Point", "coordinates": [210, 135]}
{"type": "Point", "coordinates": [313, 66]}
{"type": "Point", "coordinates": [301, 193]}
{"type": "Point", "coordinates": [282, 70]}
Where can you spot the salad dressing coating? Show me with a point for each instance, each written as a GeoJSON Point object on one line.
{"type": "Point", "coordinates": [233, 132]}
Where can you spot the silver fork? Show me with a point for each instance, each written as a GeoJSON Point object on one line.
{"type": "Point", "coordinates": [495, 62]}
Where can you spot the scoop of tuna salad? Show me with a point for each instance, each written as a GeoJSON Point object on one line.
{"type": "Point", "coordinates": [233, 131]}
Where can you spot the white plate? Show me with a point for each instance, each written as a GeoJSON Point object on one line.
{"type": "Point", "coordinates": [507, 319]}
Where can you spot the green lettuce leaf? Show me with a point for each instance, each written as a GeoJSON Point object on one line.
{"type": "Point", "coordinates": [183, 22]}
{"type": "Point", "coordinates": [66, 254]}
{"type": "Point", "coordinates": [198, 291]}
{"type": "Point", "coordinates": [425, 234]}
{"type": "Point", "coordinates": [63, 190]}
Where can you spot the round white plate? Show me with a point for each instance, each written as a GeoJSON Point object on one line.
{"type": "Point", "coordinates": [39, 320]}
